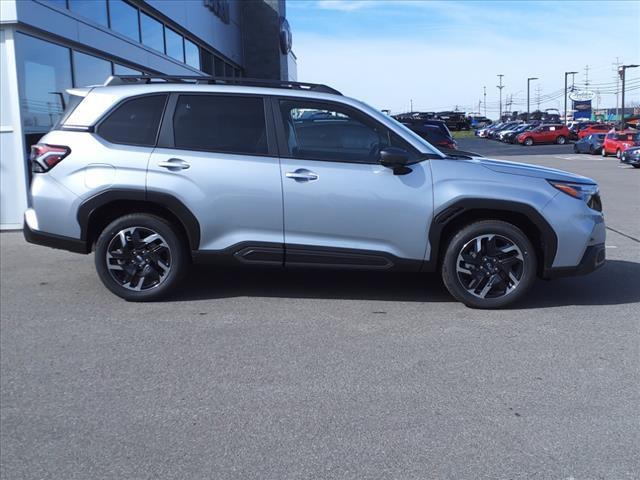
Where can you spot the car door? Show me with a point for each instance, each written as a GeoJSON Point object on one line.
{"type": "Point", "coordinates": [341, 207]}
{"type": "Point", "coordinates": [217, 155]}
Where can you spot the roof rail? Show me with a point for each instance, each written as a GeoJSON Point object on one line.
{"type": "Point", "coordinates": [210, 80]}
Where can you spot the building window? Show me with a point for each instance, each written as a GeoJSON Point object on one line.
{"type": "Point", "coordinates": [219, 66]}
{"type": "Point", "coordinates": [192, 54]}
{"type": "Point", "coordinates": [89, 70]}
{"type": "Point", "coordinates": [174, 44]}
{"type": "Point", "coordinates": [95, 10]}
{"type": "Point", "coordinates": [58, 3]}
{"type": "Point", "coordinates": [44, 74]}
{"type": "Point", "coordinates": [228, 70]}
{"type": "Point", "coordinates": [152, 32]}
{"type": "Point", "coordinates": [124, 19]}
{"type": "Point", "coordinates": [206, 61]}
{"type": "Point", "coordinates": [122, 70]}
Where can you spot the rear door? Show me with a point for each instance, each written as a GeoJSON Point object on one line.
{"type": "Point", "coordinates": [216, 154]}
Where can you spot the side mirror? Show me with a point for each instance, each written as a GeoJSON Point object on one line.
{"type": "Point", "coordinates": [396, 159]}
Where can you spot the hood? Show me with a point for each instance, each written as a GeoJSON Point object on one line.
{"type": "Point", "coordinates": [529, 170]}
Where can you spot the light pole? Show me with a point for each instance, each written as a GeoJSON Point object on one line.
{"type": "Point", "coordinates": [485, 101]}
{"type": "Point", "coordinates": [566, 74]}
{"type": "Point", "coordinates": [622, 70]}
{"type": "Point", "coordinates": [500, 87]}
{"type": "Point", "coordinates": [528, 83]}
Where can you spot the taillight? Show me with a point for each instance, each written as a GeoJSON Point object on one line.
{"type": "Point", "coordinates": [44, 157]}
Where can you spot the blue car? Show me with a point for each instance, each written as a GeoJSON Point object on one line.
{"type": "Point", "coordinates": [590, 144]}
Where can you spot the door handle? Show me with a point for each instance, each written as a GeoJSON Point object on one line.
{"type": "Point", "coordinates": [174, 164]}
{"type": "Point", "coordinates": [302, 175]}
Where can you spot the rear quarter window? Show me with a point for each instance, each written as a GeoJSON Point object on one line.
{"type": "Point", "coordinates": [134, 122]}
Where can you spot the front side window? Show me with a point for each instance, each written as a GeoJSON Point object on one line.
{"type": "Point", "coordinates": [124, 19]}
{"type": "Point", "coordinates": [135, 122]}
{"type": "Point", "coordinates": [319, 131]}
{"type": "Point", "coordinates": [220, 123]}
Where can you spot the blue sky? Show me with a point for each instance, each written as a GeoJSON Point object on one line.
{"type": "Point", "coordinates": [441, 54]}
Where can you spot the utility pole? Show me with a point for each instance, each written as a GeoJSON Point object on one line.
{"type": "Point", "coordinates": [411, 103]}
{"type": "Point", "coordinates": [528, 83]}
{"type": "Point", "coordinates": [565, 94]}
{"type": "Point", "coordinates": [538, 90]}
{"type": "Point", "coordinates": [500, 87]}
{"type": "Point", "coordinates": [616, 66]}
{"type": "Point", "coordinates": [485, 101]}
{"type": "Point", "coordinates": [622, 71]}
{"type": "Point", "coordinates": [586, 81]}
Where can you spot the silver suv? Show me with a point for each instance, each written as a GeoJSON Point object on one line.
{"type": "Point", "coordinates": [154, 173]}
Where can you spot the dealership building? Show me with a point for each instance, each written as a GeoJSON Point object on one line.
{"type": "Point", "coordinates": [48, 46]}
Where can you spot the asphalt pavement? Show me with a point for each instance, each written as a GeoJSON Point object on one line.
{"type": "Point", "coordinates": [251, 374]}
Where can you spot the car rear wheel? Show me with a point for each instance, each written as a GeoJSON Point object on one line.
{"type": "Point", "coordinates": [561, 140]}
{"type": "Point", "coordinates": [489, 264]}
{"type": "Point", "coordinates": [575, 148]}
{"type": "Point", "coordinates": [592, 150]}
{"type": "Point", "coordinates": [140, 257]}
{"type": "Point", "coordinates": [528, 141]}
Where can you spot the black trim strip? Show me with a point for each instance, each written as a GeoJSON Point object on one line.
{"type": "Point", "coordinates": [594, 257]}
{"type": "Point", "coordinates": [54, 241]}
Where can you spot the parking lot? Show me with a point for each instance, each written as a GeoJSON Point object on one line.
{"type": "Point", "coordinates": [269, 374]}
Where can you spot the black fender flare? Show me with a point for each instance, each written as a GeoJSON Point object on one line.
{"type": "Point", "coordinates": [453, 211]}
{"type": "Point", "coordinates": [169, 202]}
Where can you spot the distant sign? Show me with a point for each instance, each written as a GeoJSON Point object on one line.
{"type": "Point", "coordinates": [582, 96]}
{"type": "Point", "coordinates": [582, 109]}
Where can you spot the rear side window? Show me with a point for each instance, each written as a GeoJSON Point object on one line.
{"type": "Point", "coordinates": [135, 122]}
{"type": "Point", "coordinates": [220, 123]}
{"type": "Point", "coordinates": [74, 101]}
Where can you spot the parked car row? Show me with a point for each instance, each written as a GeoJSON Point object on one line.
{"type": "Point", "coordinates": [526, 133]}
{"type": "Point", "coordinates": [435, 132]}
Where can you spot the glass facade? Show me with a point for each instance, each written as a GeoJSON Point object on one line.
{"type": "Point", "coordinates": [95, 10]}
{"type": "Point", "coordinates": [174, 44]}
{"type": "Point", "coordinates": [44, 73]}
{"type": "Point", "coordinates": [89, 70]}
{"type": "Point", "coordinates": [152, 32]}
{"type": "Point", "coordinates": [124, 19]}
{"type": "Point", "coordinates": [122, 70]}
{"type": "Point", "coordinates": [191, 54]}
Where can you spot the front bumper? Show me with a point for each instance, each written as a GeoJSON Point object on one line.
{"type": "Point", "coordinates": [594, 257]}
{"type": "Point", "coordinates": [629, 160]}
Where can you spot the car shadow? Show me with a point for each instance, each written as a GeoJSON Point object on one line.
{"type": "Point", "coordinates": [616, 283]}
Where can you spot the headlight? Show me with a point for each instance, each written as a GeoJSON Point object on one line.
{"type": "Point", "coordinates": [582, 191]}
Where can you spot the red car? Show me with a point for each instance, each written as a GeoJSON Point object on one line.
{"type": "Point", "coordinates": [554, 133]}
{"type": "Point", "coordinates": [596, 128]}
{"type": "Point", "coordinates": [618, 142]}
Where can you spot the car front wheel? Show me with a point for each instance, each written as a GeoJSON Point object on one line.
{"type": "Point", "coordinates": [618, 154]}
{"type": "Point", "coordinates": [561, 140]}
{"type": "Point", "coordinates": [603, 152]}
{"type": "Point", "coordinates": [140, 257]}
{"type": "Point", "coordinates": [528, 141]}
{"type": "Point", "coordinates": [489, 264]}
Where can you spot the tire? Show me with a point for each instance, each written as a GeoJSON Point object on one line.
{"type": "Point", "coordinates": [636, 165]}
{"type": "Point", "coordinates": [618, 154]}
{"type": "Point", "coordinates": [603, 152]}
{"type": "Point", "coordinates": [491, 266]}
{"type": "Point", "coordinates": [592, 150]}
{"type": "Point", "coordinates": [561, 140]}
{"type": "Point", "coordinates": [135, 266]}
{"type": "Point", "coordinates": [575, 148]}
{"type": "Point", "coordinates": [528, 141]}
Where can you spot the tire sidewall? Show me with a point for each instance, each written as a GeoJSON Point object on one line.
{"type": "Point", "coordinates": [179, 256]}
{"type": "Point", "coordinates": [450, 276]}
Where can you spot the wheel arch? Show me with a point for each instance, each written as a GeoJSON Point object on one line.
{"type": "Point", "coordinates": [98, 211]}
{"type": "Point", "coordinates": [451, 219]}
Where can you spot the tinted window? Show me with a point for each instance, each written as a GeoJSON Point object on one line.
{"type": "Point", "coordinates": [90, 70]}
{"type": "Point", "coordinates": [191, 54]}
{"type": "Point", "coordinates": [135, 122]}
{"type": "Point", "coordinates": [219, 67]}
{"type": "Point", "coordinates": [122, 70]}
{"type": "Point", "coordinates": [206, 62]}
{"type": "Point", "coordinates": [44, 74]}
{"type": "Point", "coordinates": [152, 32]}
{"type": "Point", "coordinates": [318, 131]}
{"type": "Point", "coordinates": [173, 42]}
{"type": "Point", "coordinates": [95, 10]}
{"type": "Point", "coordinates": [220, 123]}
{"type": "Point", "coordinates": [124, 19]}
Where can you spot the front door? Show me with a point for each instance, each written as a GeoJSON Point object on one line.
{"type": "Point", "coordinates": [341, 207]}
